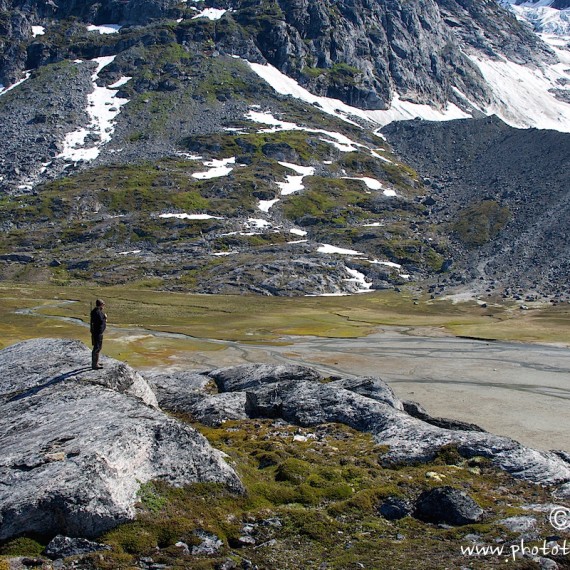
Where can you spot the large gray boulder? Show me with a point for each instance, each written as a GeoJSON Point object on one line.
{"type": "Point", "coordinates": [447, 505]}
{"type": "Point", "coordinates": [76, 444]}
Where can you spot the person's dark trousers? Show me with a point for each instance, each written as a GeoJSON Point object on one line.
{"type": "Point", "coordinates": [97, 341]}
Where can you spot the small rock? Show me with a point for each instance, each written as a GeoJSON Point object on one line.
{"type": "Point", "coordinates": [210, 544]}
{"type": "Point", "coordinates": [448, 506]}
{"type": "Point", "coordinates": [64, 546]}
{"type": "Point", "coordinates": [395, 508]}
{"type": "Point", "coordinates": [434, 476]}
{"type": "Point", "coordinates": [183, 547]}
{"type": "Point", "coordinates": [32, 562]}
{"type": "Point", "coordinates": [522, 525]}
{"type": "Point", "coordinates": [547, 564]}
{"type": "Point", "coordinates": [227, 565]}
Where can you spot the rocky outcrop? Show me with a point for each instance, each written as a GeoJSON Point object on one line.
{"type": "Point", "coordinates": [299, 395]}
{"type": "Point", "coordinates": [77, 444]}
{"type": "Point", "coordinates": [366, 52]}
{"type": "Point", "coordinates": [63, 546]}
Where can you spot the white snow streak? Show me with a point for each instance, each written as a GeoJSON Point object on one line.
{"type": "Point", "coordinates": [190, 216]}
{"type": "Point", "coordinates": [338, 140]}
{"type": "Point", "coordinates": [387, 263]}
{"type": "Point", "coordinates": [14, 85]}
{"type": "Point", "coordinates": [327, 248]}
{"type": "Point", "coordinates": [38, 31]}
{"type": "Point", "coordinates": [103, 107]}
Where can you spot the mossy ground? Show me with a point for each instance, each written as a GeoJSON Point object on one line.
{"type": "Point", "coordinates": [312, 497]}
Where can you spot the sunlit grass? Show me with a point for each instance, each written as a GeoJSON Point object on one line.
{"type": "Point", "coordinates": [152, 327]}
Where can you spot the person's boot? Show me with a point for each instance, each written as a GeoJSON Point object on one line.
{"type": "Point", "coordinates": [95, 363]}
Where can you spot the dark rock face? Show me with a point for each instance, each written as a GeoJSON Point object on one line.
{"type": "Point", "coordinates": [448, 506]}
{"type": "Point", "coordinates": [77, 444]}
{"type": "Point", "coordinates": [364, 52]}
{"type": "Point", "coordinates": [417, 411]}
{"type": "Point", "coordinates": [360, 51]}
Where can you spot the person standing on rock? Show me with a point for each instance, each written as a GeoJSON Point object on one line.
{"type": "Point", "coordinates": [97, 326]}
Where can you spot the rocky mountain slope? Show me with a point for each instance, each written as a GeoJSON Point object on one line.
{"type": "Point", "coordinates": [232, 146]}
{"type": "Point", "coordinates": [503, 194]}
{"type": "Point", "coordinates": [92, 454]}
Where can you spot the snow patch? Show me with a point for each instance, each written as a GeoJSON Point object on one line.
{"type": "Point", "coordinates": [190, 216]}
{"type": "Point", "coordinates": [371, 183]}
{"type": "Point", "coordinates": [38, 31]}
{"type": "Point", "coordinates": [387, 263]}
{"type": "Point", "coordinates": [360, 279]}
{"type": "Point", "coordinates": [298, 232]}
{"type": "Point", "coordinates": [104, 28]}
{"type": "Point", "coordinates": [217, 168]}
{"type": "Point", "coordinates": [327, 248]}
{"type": "Point", "coordinates": [210, 13]}
{"type": "Point", "coordinates": [265, 205]}
{"type": "Point", "coordinates": [294, 183]}
{"type": "Point", "coordinates": [257, 223]}
{"type": "Point", "coordinates": [522, 95]}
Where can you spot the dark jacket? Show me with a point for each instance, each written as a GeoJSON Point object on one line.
{"type": "Point", "coordinates": [98, 321]}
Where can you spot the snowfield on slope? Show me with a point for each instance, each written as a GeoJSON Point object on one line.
{"type": "Point", "coordinates": [523, 97]}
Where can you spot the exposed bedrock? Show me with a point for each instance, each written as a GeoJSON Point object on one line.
{"type": "Point", "coordinates": [77, 444]}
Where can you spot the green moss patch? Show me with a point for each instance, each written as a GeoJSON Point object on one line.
{"type": "Point", "coordinates": [480, 223]}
